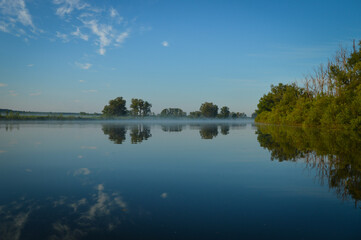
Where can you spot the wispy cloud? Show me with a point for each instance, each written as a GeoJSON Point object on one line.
{"type": "Point", "coordinates": [68, 6]}
{"type": "Point", "coordinates": [2, 151]}
{"type": "Point", "coordinates": [62, 36]}
{"type": "Point", "coordinates": [113, 12]}
{"type": "Point", "coordinates": [3, 84]}
{"type": "Point", "coordinates": [81, 81]}
{"type": "Point", "coordinates": [120, 39]}
{"type": "Point", "coordinates": [80, 35]}
{"type": "Point", "coordinates": [165, 44]}
{"type": "Point", "coordinates": [104, 33]}
{"type": "Point", "coordinates": [14, 16]}
{"type": "Point", "coordinates": [103, 28]}
{"type": "Point", "coordinates": [84, 66]}
{"type": "Point", "coordinates": [30, 65]}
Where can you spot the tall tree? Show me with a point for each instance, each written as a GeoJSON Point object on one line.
{"type": "Point", "coordinates": [224, 112]}
{"type": "Point", "coordinates": [209, 110]}
{"type": "Point", "coordinates": [116, 107]}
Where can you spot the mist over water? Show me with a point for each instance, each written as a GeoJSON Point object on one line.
{"type": "Point", "coordinates": [173, 179]}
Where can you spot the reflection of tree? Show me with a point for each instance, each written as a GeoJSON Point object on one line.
{"type": "Point", "coordinates": [172, 128]}
{"type": "Point", "coordinates": [336, 155]}
{"type": "Point", "coordinates": [208, 131]}
{"type": "Point", "coordinates": [139, 133]}
{"type": "Point", "coordinates": [225, 129]}
{"type": "Point", "coordinates": [116, 133]}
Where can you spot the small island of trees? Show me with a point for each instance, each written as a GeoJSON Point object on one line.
{"type": "Point", "coordinates": [140, 109]}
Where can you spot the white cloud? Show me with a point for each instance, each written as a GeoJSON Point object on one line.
{"type": "Point", "coordinates": [165, 44]}
{"type": "Point", "coordinates": [30, 65]}
{"type": "Point", "coordinates": [68, 6]}
{"type": "Point", "coordinates": [62, 36]}
{"type": "Point", "coordinates": [77, 33]}
{"type": "Point", "coordinates": [120, 39]}
{"type": "Point", "coordinates": [84, 66]}
{"type": "Point", "coordinates": [81, 81]}
{"type": "Point", "coordinates": [104, 33]}
{"type": "Point", "coordinates": [3, 84]}
{"type": "Point", "coordinates": [113, 12]}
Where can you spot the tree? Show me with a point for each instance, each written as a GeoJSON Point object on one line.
{"type": "Point", "coordinates": [224, 112]}
{"type": "Point", "coordinates": [209, 110]}
{"type": "Point", "coordinates": [140, 107]}
{"type": "Point", "coordinates": [172, 112]}
{"type": "Point", "coordinates": [116, 107]}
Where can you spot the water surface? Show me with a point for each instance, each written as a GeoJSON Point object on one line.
{"type": "Point", "coordinates": [194, 180]}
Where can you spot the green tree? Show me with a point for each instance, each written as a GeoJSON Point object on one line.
{"type": "Point", "coordinates": [116, 107]}
{"type": "Point", "coordinates": [172, 112]}
{"type": "Point", "coordinates": [224, 112]}
{"type": "Point", "coordinates": [140, 108]}
{"type": "Point", "coordinates": [209, 110]}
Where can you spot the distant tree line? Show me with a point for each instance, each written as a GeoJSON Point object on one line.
{"type": "Point", "coordinates": [330, 97]}
{"type": "Point", "coordinates": [140, 108]}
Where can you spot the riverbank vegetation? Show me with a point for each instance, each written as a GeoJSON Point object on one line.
{"type": "Point", "coordinates": [330, 97]}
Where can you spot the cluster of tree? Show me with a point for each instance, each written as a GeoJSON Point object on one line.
{"type": "Point", "coordinates": [140, 108]}
{"type": "Point", "coordinates": [334, 154]}
{"type": "Point", "coordinates": [173, 113]}
{"type": "Point", "coordinates": [210, 110]}
{"type": "Point", "coordinates": [117, 107]}
{"type": "Point", "coordinates": [331, 97]}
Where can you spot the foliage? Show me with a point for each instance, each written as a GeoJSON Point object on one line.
{"type": "Point", "coordinates": [329, 98]}
{"type": "Point", "coordinates": [140, 108]}
{"type": "Point", "coordinates": [172, 112]}
{"type": "Point", "coordinates": [224, 112]}
{"type": "Point", "coordinates": [116, 107]}
{"type": "Point", "coordinates": [209, 110]}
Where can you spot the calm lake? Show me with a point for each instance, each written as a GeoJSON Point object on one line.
{"type": "Point", "coordinates": [178, 180]}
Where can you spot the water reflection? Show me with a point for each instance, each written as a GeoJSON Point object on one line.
{"type": "Point", "coordinates": [172, 128]}
{"type": "Point", "coordinates": [335, 155]}
{"type": "Point", "coordinates": [139, 133]}
{"type": "Point", "coordinates": [208, 131]}
{"type": "Point", "coordinates": [116, 133]}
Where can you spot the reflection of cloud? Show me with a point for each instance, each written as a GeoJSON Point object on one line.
{"type": "Point", "coordinates": [78, 203]}
{"type": "Point", "coordinates": [59, 202]}
{"type": "Point", "coordinates": [104, 203]}
{"type": "Point", "coordinates": [82, 171]}
{"type": "Point", "coordinates": [64, 232]}
{"type": "Point", "coordinates": [164, 195]}
{"type": "Point", "coordinates": [89, 147]}
{"type": "Point", "coordinates": [80, 156]}
{"type": "Point", "coordinates": [2, 151]}
{"type": "Point", "coordinates": [28, 170]}
{"type": "Point", "coordinates": [12, 221]}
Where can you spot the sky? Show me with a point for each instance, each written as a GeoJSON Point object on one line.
{"type": "Point", "coordinates": [76, 55]}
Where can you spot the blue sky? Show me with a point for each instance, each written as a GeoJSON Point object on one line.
{"type": "Point", "coordinates": [76, 55]}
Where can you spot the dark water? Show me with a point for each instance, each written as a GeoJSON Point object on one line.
{"type": "Point", "coordinates": [178, 181]}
